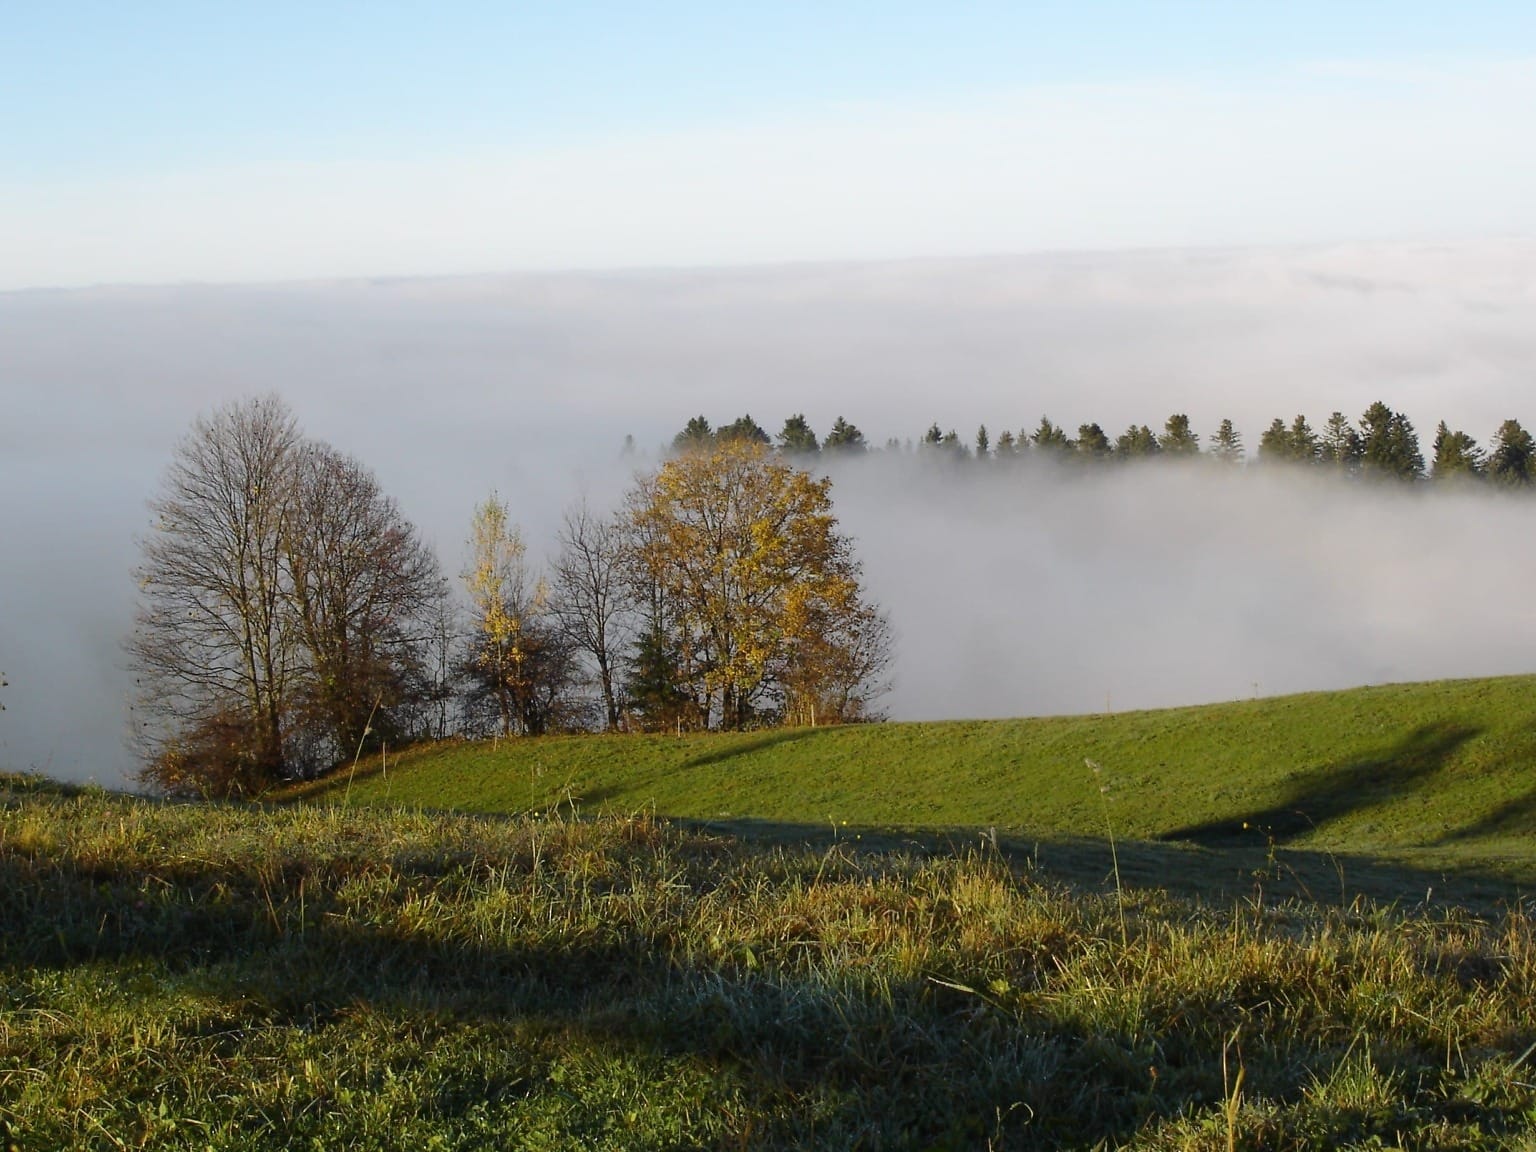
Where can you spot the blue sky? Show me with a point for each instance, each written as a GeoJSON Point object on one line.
{"type": "Point", "coordinates": [100, 104]}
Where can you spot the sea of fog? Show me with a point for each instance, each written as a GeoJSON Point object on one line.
{"type": "Point", "coordinates": [1012, 591]}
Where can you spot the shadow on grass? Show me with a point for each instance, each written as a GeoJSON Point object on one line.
{"type": "Point", "coordinates": [1321, 795]}
{"type": "Point", "coordinates": [905, 1061]}
{"type": "Point", "coordinates": [748, 746]}
{"type": "Point", "coordinates": [1515, 817]}
{"type": "Point", "coordinates": [1244, 866]}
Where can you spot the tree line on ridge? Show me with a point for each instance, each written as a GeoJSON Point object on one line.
{"type": "Point", "coordinates": [1382, 444]}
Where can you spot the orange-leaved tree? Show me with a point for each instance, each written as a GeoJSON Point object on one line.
{"type": "Point", "coordinates": [762, 593]}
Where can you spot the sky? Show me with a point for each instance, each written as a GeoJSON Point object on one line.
{"type": "Point", "coordinates": [166, 141]}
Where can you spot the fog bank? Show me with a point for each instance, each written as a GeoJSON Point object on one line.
{"type": "Point", "coordinates": [1036, 590]}
{"type": "Point", "coordinates": [1023, 594]}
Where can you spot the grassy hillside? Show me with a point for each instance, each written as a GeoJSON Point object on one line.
{"type": "Point", "coordinates": [1439, 775]}
{"type": "Point", "coordinates": [193, 977]}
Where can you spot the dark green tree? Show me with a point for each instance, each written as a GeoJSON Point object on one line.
{"type": "Point", "coordinates": [1341, 446]}
{"type": "Point", "coordinates": [1048, 436]}
{"type": "Point", "coordinates": [983, 445]}
{"type": "Point", "coordinates": [1178, 439]}
{"type": "Point", "coordinates": [844, 437]}
{"type": "Point", "coordinates": [1389, 445]}
{"type": "Point", "coordinates": [1456, 456]}
{"type": "Point", "coordinates": [653, 686]}
{"type": "Point", "coordinates": [1512, 460]}
{"type": "Point", "coordinates": [743, 428]}
{"type": "Point", "coordinates": [1091, 442]}
{"type": "Point", "coordinates": [1227, 444]}
{"type": "Point", "coordinates": [797, 437]}
{"type": "Point", "coordinates": [1301, 441]}
{"type": "Point", "coordinates": [1275, 444]}
{"type": "Point", "coordinates": [1006, 446]}
{"type": "Point", "coordinates": [1137, 441]}
{"type": "Point", "coordinates": [695, 434]}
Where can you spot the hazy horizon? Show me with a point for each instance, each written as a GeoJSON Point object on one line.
{"type": "Point", "coordinates": [1023, 598]}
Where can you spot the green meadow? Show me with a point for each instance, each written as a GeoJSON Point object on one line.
{"type": "Point", "coordinates": [1439, 777]}
{"type": "Point", "coordinates": [1295, 923]}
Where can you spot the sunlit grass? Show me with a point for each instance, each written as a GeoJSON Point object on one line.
{"type": "Point", "coordinates": [1437, 776]}
{"type": "Point", "coordinates": [182, 976]}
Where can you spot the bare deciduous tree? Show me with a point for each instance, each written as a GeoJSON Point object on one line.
{"type": "Point", "coordinates": [283, 608]}
{"type": "Point", "coordinates": [363, 588]}
{"type": "Point", "coordinates": [210, 647]}
{"type": "Point", "coordinates": [589, 601]}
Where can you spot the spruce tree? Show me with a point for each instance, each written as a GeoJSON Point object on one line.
{"type": "Point", "coordinates": [1136, 441]}
{"type": "Point", "coordinates": [695, 434]}
{"type": "Point", "coordinates": [1390, 447]}
{"type": "Point", "coordinates": [1091, 442]}
{"type": "Point", "coordinates": [1512, 461]}
{"type": "Point", "coordinates": [1227, 444]}
{"type": "Point", "coordinates": [1275, 444]}
{"type": "Point", "coordinates": [1301, 441]}
{"type": "Point", "coordinates": [1048, 436]}
{"type": "Point", "coordinates": [1178, 439]}
{"type": "Point", "coordinates": [1341, 446]}
{"type": "Point", "coordinates": [1456, 455]}
{"type": "Point", "coordinates": [797, 438]}
{"type": "Point", "coordinates": [844, 437]}
{"type": "Point", "coordinates": [743, 428]}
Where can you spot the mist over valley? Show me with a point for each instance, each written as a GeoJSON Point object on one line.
{"type": "Point", "coordinates": [1012, 590]}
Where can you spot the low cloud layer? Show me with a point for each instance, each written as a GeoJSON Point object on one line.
{"type": "Point", "coordinates": [1038, 590]}
{"type": "Point", "coordinates": [1018, 594]}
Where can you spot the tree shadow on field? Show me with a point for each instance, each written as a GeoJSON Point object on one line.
{"type": "Point", "coordinates": [1319, 796]}
{"type": "Point", "coordinates": [1515, 817]}
{"type": "Point", "coordinates": [747, 747]}
{"type": "Point", "coordinates": [1244, 867]}
{"type": "Point", "coordinates": [916, 1059]}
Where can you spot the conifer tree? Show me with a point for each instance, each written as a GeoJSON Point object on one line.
{"type": "Point", "coordinates": [1136, 441]}
{"type": "Point", "coordinates": [1456, 455]}
{"type": "Point", "coordinates": [1178, 439]}
{"type": "Point", "coordinates": [797, 438]}
{"type": "Point", "coordinates": [743, 428]}
{"type": "Point", "coordinates": [1389, 445]}
{"type": "Point", "coordinates": [1091, 442]}
{"type": "Point", "coordinates": [1227, 444]}
{"type": "Point", "coordinates": [1340, 447]}
{"type": "Point", "coordinates": [1301, 441]}
{"type": "Point", "coordinates": [844, 437]}
{"type": "Point", "coordinates": [1512, 461]}
{"type": "Point", "coordinates": [1275, 444]}
{"type": "Point", "coordinates": [1050, 437]}
{"type": "Point", "coordinates": [695, 434]}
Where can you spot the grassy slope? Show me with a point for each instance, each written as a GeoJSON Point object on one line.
{"type": "Point", "coordinates": [1439, 774]}
{"type": "Point", "coordinates": [191, 977]}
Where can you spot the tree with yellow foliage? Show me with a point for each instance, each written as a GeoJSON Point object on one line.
{"type": "Point", "coordinates": [762, 593]}
{"type": "Point", "coordinates": [503, 603]}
